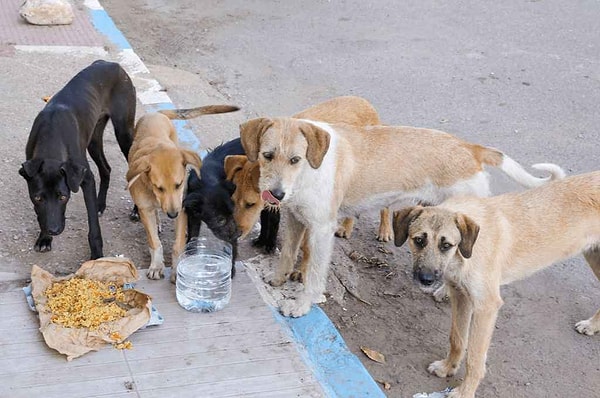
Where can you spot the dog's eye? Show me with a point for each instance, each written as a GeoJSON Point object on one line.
{"type": "Point", "coordinates": [249, 205]}
{"type": "Point", "coordinates": [419, 241]}
{"type": "Point", "coordinates": [177, 186]}
{"type": "Point", "coordinates": [295, 159]}
{"type": "Point", "coordinates": [445, 246]}
{"type": "Point", "coordinates": [160, 189]}
{"type": "Point", "coordinates": [62, 198]}
{"type": "Point", "coordinates": [37, 198]}
{"type": "Point", "coordinates": [268, 156]}
{"type": "Point", "coordinates": [221, 221]}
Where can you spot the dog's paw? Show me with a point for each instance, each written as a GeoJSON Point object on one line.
{"type": "Point", "coordinates": [294, 308]}
{"type": "Point", "coordinates": [588, 327]}
{"type": "Point", "coordinates": [43, 244]}
{"type": "Point", "coordinates": [342, 232]}
{"type": "Point", "coordinates": [275, 279]}
{"type": "Point", "coordinates": [269, 248]}
{"type": "Point", "coordinates": [134, 215]}
{"type": "Point", "coordinates": [296, 276]}
{"type": "Point", "coordinates": [455, 393]}
{"type": "Point", "coordinates": [385, 235]}
{"type": "Point", "coordinates": [441, 293]}
{"type": "Point", "coordinates": [442, 369]}
{"type": "Point", "coordinates": [156, 272]}
{"type": "Point", "coordinates": [173, 277]}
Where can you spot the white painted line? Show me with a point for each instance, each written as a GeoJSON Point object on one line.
{"type": "Point", "coordinates": [131, 62]}
{"type": "Point", "coordinates": [92, 4]}
{"type": "Point", "coordinates": [71, 50]}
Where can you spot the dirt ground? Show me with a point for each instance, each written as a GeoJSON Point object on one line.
{"type": "Point", "coordinates": [372, 300]}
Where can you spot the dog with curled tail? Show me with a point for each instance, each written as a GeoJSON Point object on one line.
{"type": "Point", "coordinates": [317, 171]}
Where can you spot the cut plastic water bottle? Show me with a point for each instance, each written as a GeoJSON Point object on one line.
{"type": "Point", "coordinates": [204, 274]}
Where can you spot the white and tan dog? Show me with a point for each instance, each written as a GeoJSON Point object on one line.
{"type": "Point", "coordinates": [478, 244]}
{"type": "Point", "coordinates": [316, 169]}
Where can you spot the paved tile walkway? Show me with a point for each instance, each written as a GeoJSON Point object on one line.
{"type": "Point", "coordinates": [241, 351]}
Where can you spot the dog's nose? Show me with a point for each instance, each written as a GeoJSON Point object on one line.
{"type": "Point", "coordinates": [278, 194]}
{"type": "Point", "coordinates": [426, 278]}
{"type": "Point", "coordinates": [172, 214]}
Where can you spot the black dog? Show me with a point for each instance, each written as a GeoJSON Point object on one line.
{"type": "Point", "coordinates": [208, 197]}
{"type": "Point", "coordinates": [71, 122]}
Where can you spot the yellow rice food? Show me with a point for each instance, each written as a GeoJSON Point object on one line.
{"type": "Point", "coordinates": [85, 303]}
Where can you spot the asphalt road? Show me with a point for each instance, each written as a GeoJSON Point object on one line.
{"type": "Point", "coordinates": [522, 76]}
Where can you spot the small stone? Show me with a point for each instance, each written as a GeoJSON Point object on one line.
{"type": "Point", "coordinates": [47, 12]}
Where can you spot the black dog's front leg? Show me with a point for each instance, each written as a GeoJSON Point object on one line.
{"type": "Point", "coordinates": [43, 243]}
{"type": "Point", "coordinates": [269, 226]}
{"type": "Point", "coordinates": [234, 255]}
{"type": "Point", "coordinates": [194, 224]}
{"type": "Point", "coordinates": [88, 186]}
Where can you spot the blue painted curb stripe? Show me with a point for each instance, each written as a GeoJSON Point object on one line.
{"type": "Point", "coordinates": [339, 371]}
{"type": "Point", "coordinates": [105, 25]}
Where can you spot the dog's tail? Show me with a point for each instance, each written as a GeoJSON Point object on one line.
{"type": "Point", "coordinates": [514, 170]}
{"type": "Point", "coordinates": [199, 111]}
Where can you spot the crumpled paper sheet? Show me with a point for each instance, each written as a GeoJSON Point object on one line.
{"type": "Point", "coordinates": [74, 342]}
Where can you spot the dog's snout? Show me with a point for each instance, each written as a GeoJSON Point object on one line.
{"type": "Point", "coordinates": [426, 277]}
{"type": "Point", "coordinates": [278, 194]}
{"type": "Point", "coordinates": [172, 214]}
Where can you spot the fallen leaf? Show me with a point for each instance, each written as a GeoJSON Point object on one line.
{"type": "Point", "coordinates": [374, 355]}
{"type": "Point", "coordinates": [385, 384]}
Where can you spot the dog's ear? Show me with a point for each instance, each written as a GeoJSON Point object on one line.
{"type": "Point", "coordinates": [250, 134]}
{"type": "Point", "coordinates": [254, 176]}
{"type": "Point", "coordinates": [229, 186]}
{"type": "Point", "coordinates": [318, 144]}
{"type": "Point", "coordinates": [191, 158]}
{"type": "Point", "coordinates": [401, 222]}
{"type": "Point", "coordinates": [233, 164]}
{"type": "Point", "coordinates": [136, 169]}
{"type": "Point", "coordinates": [30, 168]}
{"type": "Point", "coordinates": [469, 231]}
{"type": "Point", "coordinates": [74, 174]}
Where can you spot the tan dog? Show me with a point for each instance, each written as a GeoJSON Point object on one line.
{"type": "Point", "coordinates": [157, 177]}
{"type": "Point", "coordinates": [316, 169]}
{"type": "Point", "coordinates": [478, 244]}
{"type": "Point", "coordinates": [247, 196]}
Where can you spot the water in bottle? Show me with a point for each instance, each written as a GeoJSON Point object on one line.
{"type": "Point", "coordinates": [204, 274]}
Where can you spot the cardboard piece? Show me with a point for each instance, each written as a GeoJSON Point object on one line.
{"type": "Point", "coordinates": [74, 342]}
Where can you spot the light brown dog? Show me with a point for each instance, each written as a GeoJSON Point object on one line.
{"type": "Point", "coordinates": [478, 244]}
{"type": "Point", "coordinates": [316, 170]}
{"type": "Point", "coordinates": [157, 177]}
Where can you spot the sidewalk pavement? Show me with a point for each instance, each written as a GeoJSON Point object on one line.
{"type": "Point", "coordinates": [247, 349]}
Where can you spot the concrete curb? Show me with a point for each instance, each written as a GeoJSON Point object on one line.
{"type": "Point", "coordinates": [340, 372]}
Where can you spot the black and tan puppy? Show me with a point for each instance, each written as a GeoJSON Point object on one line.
{"type": "Point", "coordinates": [208, 197]}
{"type": "Point", "coordinates": [72, 122]}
